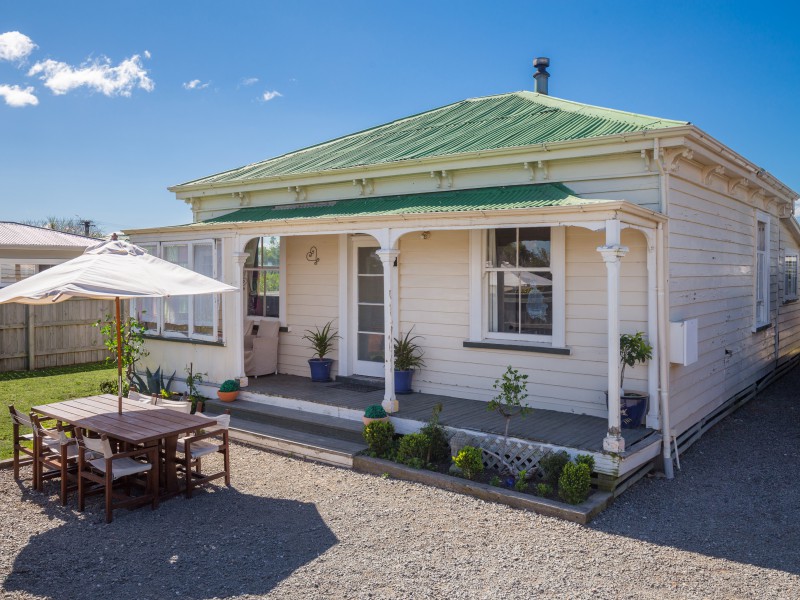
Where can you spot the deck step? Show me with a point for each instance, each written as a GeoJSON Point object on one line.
{"type": "Point", "coordinates": [376, 383]}
{"type": "Point", "coordinates": [308, 435]}
{"type": "Point", "coordinates": [291, 418]}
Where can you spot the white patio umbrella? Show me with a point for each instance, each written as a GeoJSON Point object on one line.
{"type": "Point", "coordinates": [112, 269]}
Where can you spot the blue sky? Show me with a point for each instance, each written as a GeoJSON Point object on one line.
{"type": "Point", "coordinates": [117, 118]}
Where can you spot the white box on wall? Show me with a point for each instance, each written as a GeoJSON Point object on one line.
{"type": "Point", "coordinates": [683, 342]}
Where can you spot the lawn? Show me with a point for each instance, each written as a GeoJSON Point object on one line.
{"type": "Point", "coordinates": [24, 389]}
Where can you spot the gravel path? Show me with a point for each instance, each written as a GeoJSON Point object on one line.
{"type": "Point", "coordinates": [726, 527]}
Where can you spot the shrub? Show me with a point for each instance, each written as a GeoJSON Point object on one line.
{"type": "Point", "coordinates": [552, 465]}
{"type": "Point", "coordinates": [544, 489]}
{"type": "Point", "coordinates": [413, 446]}
{"type": "Point", "coordinates": [229, 385]}
{"type": "Point", "coordinates": [438, 446]}
{"type": "Point", "coordinates": [575, 483]}
{"type": "Point", "coordinates": [495, 481]}
{"type": "Point", "coordinates": [110, 387]}
{"type": "Point", "coordinates": [521, 483]}
{"type": "Point", "coordinates": [470, 461]}
{"type": "Point", "coordinates": [585, 459]}
{"type": "Point", "coordinates": [374, 411]}
{"type": "Point", "coordinates": [379, 435]}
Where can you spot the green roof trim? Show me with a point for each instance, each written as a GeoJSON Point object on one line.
{"type": "Point", "coordinates": [512, 120]}
{"type": "Point", "coordinates": [494, 198]}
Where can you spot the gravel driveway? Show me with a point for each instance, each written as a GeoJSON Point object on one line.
{"type": "Point", "coordinates": [726, 527]}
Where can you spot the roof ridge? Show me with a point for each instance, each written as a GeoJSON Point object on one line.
{"type": "Point", "coordinates": [78, 235]}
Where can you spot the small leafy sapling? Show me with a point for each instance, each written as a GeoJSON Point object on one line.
{"type": "Point", "coordinates": [513, 390]}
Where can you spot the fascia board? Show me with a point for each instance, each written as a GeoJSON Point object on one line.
{"type": "Point", "coordinates": [613, 144]}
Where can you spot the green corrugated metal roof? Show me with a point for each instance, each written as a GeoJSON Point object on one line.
{"type": "Point", "coordinates": [493, 122]}
{"type": "Point", "coordinates": [494, 198]}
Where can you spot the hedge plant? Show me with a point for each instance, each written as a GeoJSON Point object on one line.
{"type": "Point", "coordinates": [413, 450]}
{"type": "Point", "coordinates": [379, 436]}
{"type": "Point", "coordinates": [470, 461]}
{"type": "Point", "coordinates": [575, 483]}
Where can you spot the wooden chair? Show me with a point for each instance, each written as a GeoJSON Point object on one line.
{"type": "Point", "coordinates": [58, 453]}
{"type": "Point", "coordinates": [98, 464]}
{"type": "Point", "coordinates": [19, 421]}
{"type": "Point", "coordinates": [196, 446]}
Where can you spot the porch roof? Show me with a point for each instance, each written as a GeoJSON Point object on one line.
{"type": "Point", "coordinates": [493, 198]}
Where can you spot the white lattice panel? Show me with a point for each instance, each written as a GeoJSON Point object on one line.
{"type": "Point", "coordinates": [518, 455]}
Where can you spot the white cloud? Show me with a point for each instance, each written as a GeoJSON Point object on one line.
{"type": "Point", "coordinates": [249, 80]}
{"type": "Point", "coordinates": [267, 96]}
{"type": "Point", "coordinates": [147, 54]}
{"type": "Point", "coordinates": [196, 84]}
{"type": "Point", "coordinates": [97, 75]}
{"type": "Point", "coordinates": [15, 46]}
{"type": "Point", "coordinates": [17, 97]}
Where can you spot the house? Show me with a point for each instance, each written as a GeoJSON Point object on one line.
{"type": "Point", "coordinates": [45, 336]}
{"type": "Point", "coordinates": [518, 229]}
{"type": "Point", "coordinates": [25, 250]}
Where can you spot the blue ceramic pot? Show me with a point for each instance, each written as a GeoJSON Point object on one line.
{"type": "Point", "coordinates": [402, 381]}
{"type": "Point", "coordinates": [320, 369]}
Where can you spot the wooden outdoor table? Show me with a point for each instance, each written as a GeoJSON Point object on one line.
{"type": "Point", "coordinates": [139, 424]}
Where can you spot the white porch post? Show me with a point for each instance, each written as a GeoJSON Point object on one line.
{"type": "Point", "coordinates": [612, 254]}
{"type": "Point", "coordinates": [388, 256]}
{"type": "Point", "coordinates": [237, 339]}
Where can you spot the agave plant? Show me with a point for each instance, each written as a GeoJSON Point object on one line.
{"type": "Point", "coordinates": [154, 382]}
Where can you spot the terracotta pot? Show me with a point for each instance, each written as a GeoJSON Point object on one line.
{"type": "Point", "coordinates": [227, 396]}
{"type": "Point", "coordinates": [367, 420]}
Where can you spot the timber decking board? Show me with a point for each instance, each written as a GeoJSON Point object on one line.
{"type": "Point", "coordinates": [583, 432]}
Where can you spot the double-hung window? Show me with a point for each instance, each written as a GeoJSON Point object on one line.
{"type": "Point", "coordinates": [189, 317]}
{"type": "Point", "coordinates": [762, 270]}
{"type": "Point", "coordinates": [790, 275]}
{"type": "Point", "coordinates": [522, 291]}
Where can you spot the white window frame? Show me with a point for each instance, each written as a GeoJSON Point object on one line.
{"type": "Point", "coordinates": [790, 288]}
{"type": "Point", "coordinates": [479, 291]}
{"type": "Point", "coordinates": [281, 290]}
{"type": "Point", "coordinates": [761, 277]}
{"type": "Point", "coordinates": [190, 334]}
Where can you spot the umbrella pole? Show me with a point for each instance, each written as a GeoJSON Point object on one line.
{"type": "Point", "coordinates": [119, 357]}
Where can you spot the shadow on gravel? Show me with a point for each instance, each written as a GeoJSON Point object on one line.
{"type": "Point", "coordinates": [221, 543]}
{"type": "Point", "coordinates": [738, 495]}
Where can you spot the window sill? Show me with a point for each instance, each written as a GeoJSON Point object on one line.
{"type": "Point", "coordinates": [518, 346]}
{"type": "Point", "coordinates": [790, 300]}
{"type": "Point", "coordinates": [161, 338]}
{"type": "Point", "coordinates": [758, 328]}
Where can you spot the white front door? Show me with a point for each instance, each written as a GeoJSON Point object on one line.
{"type": "Point", "coordinates": [367, 331]}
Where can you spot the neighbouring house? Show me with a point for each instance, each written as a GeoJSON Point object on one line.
{"type": "Point", "coordinates": [518, 229]}
{"type": "Point", "coordinates": [45, 336]}
{"type": "Point", "coordinates": [25, 250]}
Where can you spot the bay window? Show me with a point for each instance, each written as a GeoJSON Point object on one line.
{"type": "Point", "coordinates": [189, 317]}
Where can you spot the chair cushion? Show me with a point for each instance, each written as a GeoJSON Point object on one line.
{"type": "Point", "coordinates": [55, 446]}
{"type": "Point", "coordinates": [199, 448]}
{"type": "Point", "coordinates": [121, 467]}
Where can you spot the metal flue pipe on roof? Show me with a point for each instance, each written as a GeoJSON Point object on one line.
{"type": "Point", "coordinates": [541, 76]}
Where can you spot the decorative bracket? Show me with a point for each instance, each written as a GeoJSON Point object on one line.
{"type": "Point", "coordinates": [646, 159]}
{"type": "Point", "coordinates": [673, 155]}
{"type": "Point", "coordinates": [529, 168]}
{"type": "Point", "coordinates": [734, 183]}
{"type": "Point", "coordinates": [299, 192]}
{"type": "Point", "coordinates": [243, 198]}
{"type": "Point", "coordinates": [193, 202]}
{"type": "Point", "coordinates": [711, 170]}
{"type": "Point", "coordinates": [542, 165]}
{"type": "Point", "coordinates": [442, 177]}
{"type": "Point", "coordinates": [366, 186]}
{"type": "Point", "coordinates": [753, 197]}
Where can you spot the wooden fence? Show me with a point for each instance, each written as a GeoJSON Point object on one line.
{"type": "Point", "coordinates": [53, 335]}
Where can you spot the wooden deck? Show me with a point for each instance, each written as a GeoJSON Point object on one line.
{"type": "Point", "coordinates": [569, 430]}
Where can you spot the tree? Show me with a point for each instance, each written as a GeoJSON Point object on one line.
{"type": "Point", "coordinates": [74, 225]}
{"type": "Point", "coordinates": [132, 342]}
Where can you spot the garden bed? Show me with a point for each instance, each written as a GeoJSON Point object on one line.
{"type": "Point", "coordinates": [580, 513]}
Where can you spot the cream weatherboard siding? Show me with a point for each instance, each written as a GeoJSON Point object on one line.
{"type": "Point", "coordinates": [712, 279]}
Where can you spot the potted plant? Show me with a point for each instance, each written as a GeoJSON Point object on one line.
{"type": "Point", "coordinates": [229, 390]}
{"type": "Point", "coordinates": [407, 358]}
{"type": "Point", "coordinates": [374, 412]}
{"type": "Point", "coordinates": [633, 349]}
{"type": "Point", "coordinates": [322, 343]}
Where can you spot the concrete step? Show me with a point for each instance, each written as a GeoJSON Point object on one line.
{"type": "Point", "coordinates": [312, 436]}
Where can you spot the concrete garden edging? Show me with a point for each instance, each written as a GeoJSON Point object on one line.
{"type": "Point", "coordinates": [579, 513]}
{"type": "Point", "coordinates": [6, 463]}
